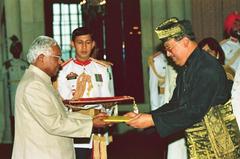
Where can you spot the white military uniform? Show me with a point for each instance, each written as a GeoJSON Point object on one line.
{"type": "Point", "coordinates": [99, 81]}
{"type": "Point", "coordinates": [231, 48]}
{"type": "Point", "coordinates": [12, 73]}
{"type": "Point", "coordinates": [157, 72]}
{"type": "Point", "coordinates": [162, 82]}
{"type": "Point", "coordinates": [236, 95]}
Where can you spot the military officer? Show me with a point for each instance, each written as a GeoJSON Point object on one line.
{"type": "Point", "coordinates": [231, 45]}
{"type": "Point", "coordinates": [157, 70]}
{"type": "Point", "coordinates": [84, 77]}
{"type": "Point", "coordinates": [162, 77]}
{"type": "Point", "coordinates": [13, 69]}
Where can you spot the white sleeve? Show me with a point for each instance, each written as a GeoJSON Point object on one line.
{"type": "Point", "coordinates": [170, 82]}
{"type": "Point", "coordinates": [157, 99]}
{"type": "Point", "coordinates": [236, 96]}
{"type": "Point", "coordinates": [153, 87]}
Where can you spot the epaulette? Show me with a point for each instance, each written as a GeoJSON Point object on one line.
{"type": "Point", "coordinates": [102, 62]}
{"type": "Point", "coordinates": [150, 60]}
{"type": "Point", "coordinates": [151, 57]}
{"type": "Point", "coordinates": [152, 65]}
{"type": "Point", "coordinates": [223, 41]}
{"type": "Point", "coordinates": [66, 62]}
{"type": "Point", "coordinates": [156, 54]}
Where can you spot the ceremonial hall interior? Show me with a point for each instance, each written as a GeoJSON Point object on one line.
{"type": "Point", "coordinates": [125, 36]}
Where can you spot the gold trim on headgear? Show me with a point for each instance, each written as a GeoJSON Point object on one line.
{"type": "Point", "coordinates": [169, 29]}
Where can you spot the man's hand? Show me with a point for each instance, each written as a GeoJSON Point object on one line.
{"type": "Point", "coordinates": [98, 120]}
{"type": "Point", "coordinates": [139, 120]}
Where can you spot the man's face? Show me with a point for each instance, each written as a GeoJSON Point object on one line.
{"type": "Point", "coordinates": [236, 25]}
{"type": "Point", "coordinates": [235, 32]}
{"type": "Point", "coordinates": [176, 51]}
{"type": "Point", "coordinates": [53, 61]}
{"type": "Point", "coordinates": [83, 45]}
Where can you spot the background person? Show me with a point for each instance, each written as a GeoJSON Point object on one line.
{"type": "Point", "coordinates": [211, 46]}
{"type": "Point", "coordinates": [162, 81]}
{"type": "Point", "coordinates": [231, 45]}
{"type": "Point", "coordinates": [13, 70]}
{"type": "Point", "coordinates": [84, 77]}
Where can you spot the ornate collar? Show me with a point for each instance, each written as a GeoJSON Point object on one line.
{"type": "Point", "coordinates": [82, 63]}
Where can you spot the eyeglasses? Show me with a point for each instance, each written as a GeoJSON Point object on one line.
{"type": "Point", "coordinates": [56, 56]}
{"type": "Point", "coordinates": [170, 48]}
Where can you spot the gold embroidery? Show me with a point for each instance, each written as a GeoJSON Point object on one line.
{"type": "Point", "coordinates": [217, 136]}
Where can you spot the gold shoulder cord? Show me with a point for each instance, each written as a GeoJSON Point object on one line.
{"type": "Point", "coordinates": [217, 136]}
{"type": "Point", "coordinates": [151, 64]}
{"type": "Point", "coordinates": [229, 72]}
{"type": "Point", "coordinates": [223, 41]}
{"type": "Point", "coordinates": [82, 81]}
{"type": "Point", "coordinates": [233, 58]}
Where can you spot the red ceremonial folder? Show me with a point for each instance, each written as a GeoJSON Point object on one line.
{"type": "Point", "coordinates": [81, 102]}
{"type": "Point", "coordinates": [88, 103]}
{"type": "Point", "coordinates": [99, 100]}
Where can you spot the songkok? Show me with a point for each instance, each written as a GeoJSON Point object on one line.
{"type": "Point", "coordinates": [229, 21]}
{"type": "Point", "coordinates": [14, 38]}
{"type": "Point", "coordinates": [173, 28]}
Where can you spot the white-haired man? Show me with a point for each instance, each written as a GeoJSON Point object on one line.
{"type": "Point", "coordinates": [43, 127]}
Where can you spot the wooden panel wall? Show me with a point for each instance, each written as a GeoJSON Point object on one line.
{"type": "Point", "coordinates": [208, 16]}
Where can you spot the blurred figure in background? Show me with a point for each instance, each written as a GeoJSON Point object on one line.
{"type": "Point", "coordinates": [231, 45]}
{"type": "Point", "coordinates": [162, 81]}
{"type": "Point", "coordinates": [212, 46]}
{"type": "Point", "coordinates": [13, 70]}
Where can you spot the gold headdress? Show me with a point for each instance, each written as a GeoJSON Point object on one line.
{"type": "Point", "coordinates": [173, 28]}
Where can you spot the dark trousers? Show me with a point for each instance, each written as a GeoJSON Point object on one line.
{"type": "Point", "coordinates": [83, 153]}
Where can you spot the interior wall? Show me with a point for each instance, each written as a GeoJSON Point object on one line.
{"type": "Point", "coordinates": [208, 17]}
{"type": "Point", "coordinates": [2, 50]}
{"type": "Point", "coordinates": [25, 20]}
{"type": "Point", "coordinates": [152, 13]}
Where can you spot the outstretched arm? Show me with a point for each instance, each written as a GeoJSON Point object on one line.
{"type": "Point", "coordinates": [140, 120]}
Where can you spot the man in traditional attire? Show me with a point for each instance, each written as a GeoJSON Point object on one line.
{"type": "Point", "coordinates": [43, 127]}
{"type": "Point", "coordinates": [201, 89]}
{"type": "Point", "coordinates": [84, 77]}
